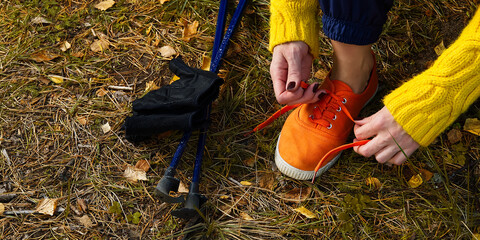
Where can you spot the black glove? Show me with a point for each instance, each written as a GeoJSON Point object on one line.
{"type": "Point", "coordinates": [182, 105]}
{"type": "Point", "coordinates": [196, 88]}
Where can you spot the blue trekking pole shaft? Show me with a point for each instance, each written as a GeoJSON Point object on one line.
{"type": "Point", "coordinates": [219, 50]}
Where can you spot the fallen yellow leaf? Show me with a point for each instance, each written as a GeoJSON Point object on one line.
{"type": "Point", "coordinates": [101, 92]}
{"type": "Point", "coordinates": [189, 30]}
{"type": "Point", "coordinates": [47, 206]}
{"type": "Point", "coordinates": [104, 5]}
{"type": "Point", "coordinates": [426, 175]}
{"type": "Point", "coordinates": [182, 188]}
{"type": "Point", "coordinates": [373, 182]}
{"type": "Point", "coordinates": [85, 221]}
{"type": "Point", "coordinates": [43, 56]}
{"type": "Point", "coordinates": [106, 128]}
{"type": "Point", "coordinates": [134, 174]}
{"type": "Point", "coordinates": [99, 45]}
{"type": "Point", "coordinates": [56, 79]}
{"type": "Point", "coordinates": [305, 212]}
{"type": "Point", "coordinates": [472, 125]}
{"type": "Point", "coordinates": [476, 236]}
{"type": "Point", "coordinates": [321, 74]}
{"type": "Point", "coordinates": [167, 51]}
{"type": "Point", "coordinates": [439, 48]}
{"type": "Point", "coordinates": [65, 46]}
{"type": "Point", "coordinates": [245, 216]}
{"type": "Point", "coordinates": [143, 164]}
{"type": "Point", "coordinates": [415, 181]}
{"type": "Point", "coordinates": [82, 120]}
{"type": "Point", "coordinates": [246, 183]}
{"type": "Point", "coordinates": [2, 208]}
{"type": "Point", "coordinates": [163, 1]}
{"type": "Point", "coordinates": [206, 63]}
{"type": "Point", "coordinates": [150, 86]}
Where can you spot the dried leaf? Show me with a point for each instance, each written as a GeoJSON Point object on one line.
{"type": "Point", "coordinates": [2, 208]}
{"type": "Point", "coordinates": [224, 197]}
{"type": "Point", "coordinates": [189, 30]}
{"type": "Point", "coordinates": [439, 48]}
{"type": "Point", "coordinates": [65, 46]}
{"type": "Point", "coordinates": [476, 236]}
{"type": "Point", "coordinates": [82, 205]}
{"type": "Point", "coordinates": [56, 79]}
{"type": "Point", "coordinates": [182, 188]}
{"type": "Point", "coordinates": [82, 120]}
{"type": "Point", "coordinates": [206, 63]}
{"type": "Point", "coordinates": [454, 136]}
{"type": "Point", "coordinates": [415, 181]}
{"type": "Point", "coordinates": [426, 175]}
{"type": "Point", "coordinates": [47, 206]}
{"type": "Point", "coordinates": [321, 74]}
{"type": "Point", "coordinates": [298, 194]}
{"type": "Point", "coordinates": [78, 54]}
{"type": "Point", "coordinates": [85, 221]}
{"type": "Point", "coordinates": [143, 164]}
{"type": "Point", "coordinates": [101, 92]}
{"type": "Point", "coordinates": [104, 5]}
{"type": "Point", "coordinates": [245, 216]}
{"type": "Point", "coordinates": [267, 181]}
{"type": "Point", "coordinates": [106, 128]}
{"type": "Point", "coordinates": [163, 1]}
{"type": "Point", "coordinates": [99, 45]}
{"type": "Point", "coordinates": [134, 174]}
{"type": "Point", "coordinates": [305, 212]}
{"type": "Point", "coordinates": [250, 162]}
{"type": "Point", "coordinates": [246, 183]}
{"type": "Point", "coordinates": [167, 51]}
{"type": "Point", "coordinates": [43, 56]}
{"type": "Point", "coordinates": [150, 86]}
{"type": "Point", "coordinates": [40, 20]}
{"type": "Point", "coordinates": [373, 182]}
{"type": "Point", "coordinates": [472, 125]}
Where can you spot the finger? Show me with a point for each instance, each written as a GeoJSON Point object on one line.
{"type": "Point", "coordinates": [309, 95]}
{"type": "Point", "coordinates": [398, 159]}
{"type": "Point", "coordinates": [365, 129]}
{"type": "Point", "coordinates": [370, 148]}
{"type": "Point", "coordinates": [385, 154]}
{"type": "Point", "coordinates": [290, 98]}
{"type": "Point", "coordinates": [294, 75]}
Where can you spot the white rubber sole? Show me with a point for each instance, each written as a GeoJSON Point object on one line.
{"type": "Point", "coordinates": [296, 173]}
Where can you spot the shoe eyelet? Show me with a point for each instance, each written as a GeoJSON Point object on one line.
{"type": "Point", "coordinates": [339, 109]}
{"type": "Point", "coordinates": [316, 107]}
{"type": "Point", "coordinates": [311, 116]}
{"type": "Point", "coordinates": [329, 127]}
{"type": "Point", "coordinates": [344, 100]}
{"type": "Point", "coordinates": [334, 117]}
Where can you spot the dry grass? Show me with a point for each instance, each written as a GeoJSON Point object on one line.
{"type": "Point", "coordinates": [56, 148]}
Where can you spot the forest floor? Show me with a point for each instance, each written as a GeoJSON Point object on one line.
{"type": "Point", "coordinates": [69, 71]}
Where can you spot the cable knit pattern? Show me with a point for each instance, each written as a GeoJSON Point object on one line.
{"type": "Point", "coordinates": [293, 20]}
{"type": "Point", "coordinates": [427, 104]}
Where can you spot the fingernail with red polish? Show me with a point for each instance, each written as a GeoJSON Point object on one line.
{"type": "Point", "coordinates": [291, 86]}
{"type": "Point", "coordinates": [315, 87]}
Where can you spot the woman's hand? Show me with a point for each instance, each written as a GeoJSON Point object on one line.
{"type": "Point", "coordinates": [384, 129]}
{"type": "Point", "coordinates": [291, 64]}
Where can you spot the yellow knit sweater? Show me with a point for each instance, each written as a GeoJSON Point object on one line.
{"type": "Point", "coordinates": [426, 104]}
{"type": "Point", "coordinates": [431, 101]}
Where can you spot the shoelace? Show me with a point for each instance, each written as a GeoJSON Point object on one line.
{"type": "Point", "coordinates": [318, 117]}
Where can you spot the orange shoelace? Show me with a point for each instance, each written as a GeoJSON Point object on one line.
{"type": "Point", "coordinates": [319, 116]}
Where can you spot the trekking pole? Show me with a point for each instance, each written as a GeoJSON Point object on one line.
{"type": "Point", "coordinates": [194, 199]}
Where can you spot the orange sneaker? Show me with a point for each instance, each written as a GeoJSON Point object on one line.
{"type": "Point", "coordinates": [312, 130]}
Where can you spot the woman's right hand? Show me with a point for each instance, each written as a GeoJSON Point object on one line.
{"type": "Point", "coordinates": [291, 64]}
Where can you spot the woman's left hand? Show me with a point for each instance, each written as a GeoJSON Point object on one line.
{"type": "Point", "coordinates": [384, 129]}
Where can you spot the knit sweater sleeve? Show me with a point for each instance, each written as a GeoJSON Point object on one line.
{"type": "Point", "coordinates": [293, 20]}
{"type": "Point", "coordinates": [428, 103]}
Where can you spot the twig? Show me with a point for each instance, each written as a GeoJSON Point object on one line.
{"type": "Point", "coordinates": [121, 88]}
